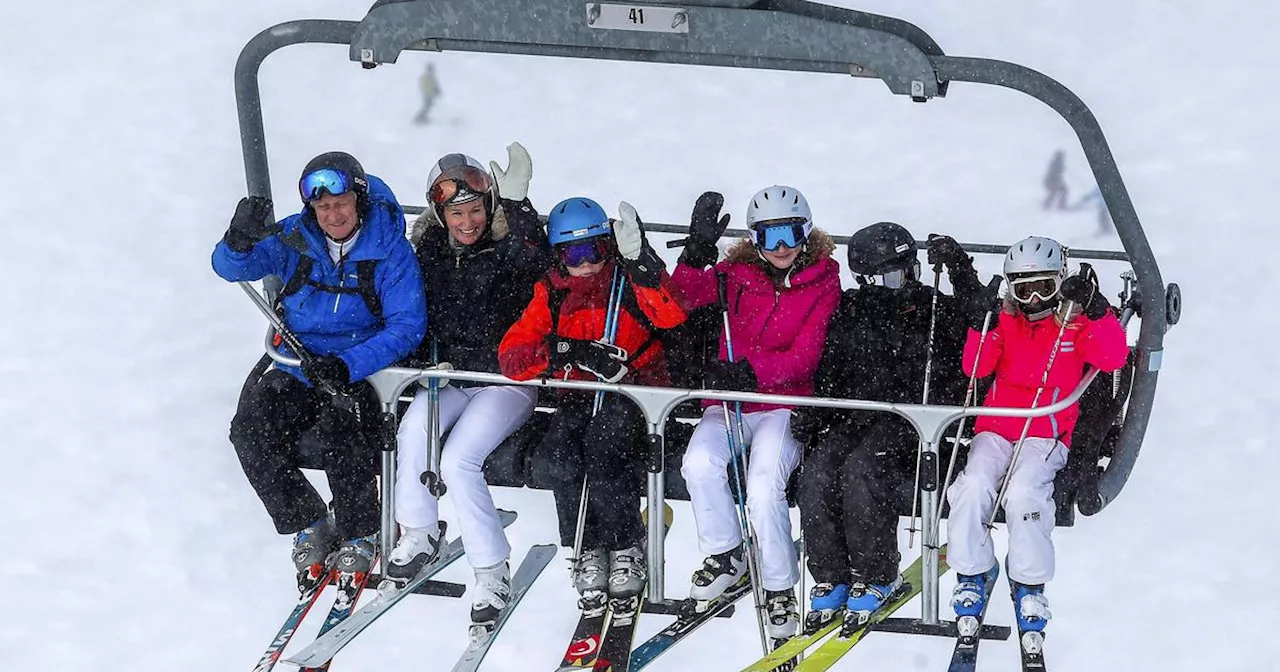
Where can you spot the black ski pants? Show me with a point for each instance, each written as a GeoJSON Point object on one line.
{"type": "Point", "coordinates": [609, 448]}
{"type": "Point", "coordinates": [850, 491]}
{"type": "Point", "coordinates": [273, 415]}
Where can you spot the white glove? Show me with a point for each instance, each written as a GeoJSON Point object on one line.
{"type": "Point", "coordinates": [627, 233]}
{"type": "Point", "coordinates": [513, 183]}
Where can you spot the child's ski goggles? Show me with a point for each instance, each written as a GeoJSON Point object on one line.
{"type": "Point", "coordinates": [898, 277]}
{"type": "Point", "coordinates": [1034, 287]}
{"type": "Point", "coordinates": [591, 251]}
{"type": "Point", "coordinates": [314, 184]}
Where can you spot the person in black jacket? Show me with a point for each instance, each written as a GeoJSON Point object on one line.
{"type": "Point", "coordinates": [481, 248]}
{"type": "Point", "coordinates": [877, 348]}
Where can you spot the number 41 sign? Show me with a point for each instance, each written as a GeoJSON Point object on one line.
{"type": "Point", "coordinates": [648, 18]}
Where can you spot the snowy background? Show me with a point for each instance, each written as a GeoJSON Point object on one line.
{"type": "Point", "coordinates": [132, 540]}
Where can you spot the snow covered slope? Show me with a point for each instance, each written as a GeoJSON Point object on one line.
{"type": "Point", "coordinates": [132, 538]}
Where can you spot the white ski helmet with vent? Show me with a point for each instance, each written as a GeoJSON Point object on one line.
{"type": "Point", "coordinates": [778, 204]}
{"type": "Point", "coordinates": [1036, 256]}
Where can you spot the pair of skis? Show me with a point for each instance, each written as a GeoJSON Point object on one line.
{"type": "Point", "coordinates": [965, 656]}
{"type": "Point", "coordinates": [340, 628]}
{"type": "Point", "coordinates": [349, 586]}
{"type": "Point", "coordinates": [847, 631]}
{"type": "Point", "coordinates": [602, 640]}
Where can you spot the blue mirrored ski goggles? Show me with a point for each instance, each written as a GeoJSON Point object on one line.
{"type": "Point", "coordinates": [772, 236]}
{"type": "Point", "coordinates": [313, 184]}
{"type": "Point", "coordinates": [592, 251]}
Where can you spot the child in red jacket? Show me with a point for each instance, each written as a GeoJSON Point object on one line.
{"type": "Point", "coordinates": [562, 334]}
{"type": "Point", "coordinates": [1021, 344]}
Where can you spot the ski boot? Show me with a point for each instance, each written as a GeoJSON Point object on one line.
{"type": "Point", "coordinates": [628, 572]}
{"type": "Point", "coordinates": [825, 601]}
{"type": "Point", "coordinates": [1031, 608]}
{"type": "Point", "coordinates": [782, 616]}
{"type": "Point", "coordinates": [312, 547]}
{"type": "Point", "coordinates": [493, 590]}
{"type": "Point", "coordinates": [866, 598]}
{"type": "Point", "coordinates": [355, 555]}
{"type": "Point", "coordinates": [417, 548]}
{"type": "Point", "coordinates": [591, 578]}
{"type": "Point", "coordinates": [969, 600]}
{"type": "Point", "coordinates": [718, 573]}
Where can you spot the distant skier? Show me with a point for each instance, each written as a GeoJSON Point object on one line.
{"type": "Point", "coordinates": [1101, 212]}
{"type": "Point", "coordinates": [350, 225]}
{"type": "Point", "coordinates": [561, 334]}
{"type": "Point", "coordinates": [878, 348]}
{"type": "Point", "coordinates": [1020, 347]}
{"type": "Point", "coordinates": [429, 87]}
{"type": "Point", "coordinates": [1055, 183]}
{"type": "Point", "coordinates": [783, 287]}
{"type": "Point", "coordinates": [481, 248]}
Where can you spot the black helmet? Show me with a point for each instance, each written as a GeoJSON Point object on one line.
{"type": "Point", "coordinates": [351, 176]}
{"type": "Point", "coordinates": [880, 248]}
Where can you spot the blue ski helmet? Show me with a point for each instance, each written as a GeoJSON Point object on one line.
{"type": "Point", "coordinates": [577, 219]}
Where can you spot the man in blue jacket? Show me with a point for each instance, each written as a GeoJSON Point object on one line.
{"type": "Point", "coordinates": [353, 296]}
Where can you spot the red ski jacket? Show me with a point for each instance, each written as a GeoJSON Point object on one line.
{"type": "Point", "coordinates": [523, 354]}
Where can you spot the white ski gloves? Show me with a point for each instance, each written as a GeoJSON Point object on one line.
{"type": "Point", "coordinates": [626, 232]}
{"type": "Point", "coordinates": [513, 183]}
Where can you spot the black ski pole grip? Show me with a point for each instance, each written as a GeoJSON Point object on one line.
{"type": "Point", "coordinates": [722, 291]}
{"type": "Point", "coordinates": [678, 242]}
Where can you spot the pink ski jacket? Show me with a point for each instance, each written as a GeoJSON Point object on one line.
{"type": "Point", "coordinates": [1017, 351]}
{"type": "Point", "coordinates": [780, 331]}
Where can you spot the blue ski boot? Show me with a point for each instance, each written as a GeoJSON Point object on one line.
{"type": "Point", "coordinates": [866, 598]}
{"type": "Point", "coordinates": [970, 596]}
{"type": "Point", "coordinates": [1030, 606]}
{"type": "Point", "coordinates": [825, 600]}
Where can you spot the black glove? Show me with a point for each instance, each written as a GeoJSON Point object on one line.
{"type": "Point", "coordinates": [705, 228]}
{"type": "Point", "coordinates": [251, 223]}
{"type": "Point", "coordinates": [976, 306]}
{"type": "Point", "coordinates": [946, 251]}
{"type": "Point", "coordinates": [1082, 288]}
{"type": "Point", "coordinates": [647, 270]}
{"type": "Point", "coordinates": [327, 370]}
{"type": "Point", "coordinates": [732, 376]}
{"type": "Point", "coordinates": [807, 424]}
{"type": "Point", "coordinates": [607, 362]}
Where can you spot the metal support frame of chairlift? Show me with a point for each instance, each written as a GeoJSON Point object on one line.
{"type": "Point", "coordinates": [764, 34]}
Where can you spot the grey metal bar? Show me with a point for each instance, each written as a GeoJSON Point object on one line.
{"type": "Point", "coordinates": [975, 248]}
{"type": "Point", "coordinates": [825, 39]}
{"type": "Point", "coordinates": [1150, 284]}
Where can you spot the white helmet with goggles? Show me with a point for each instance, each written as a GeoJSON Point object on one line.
{"type": "Point", "coordinates": [1035, 268]}
{"type": "Point", "coordinates": [779, 215]}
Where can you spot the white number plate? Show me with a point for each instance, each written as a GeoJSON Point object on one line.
{"type": "Point", "coordinates": [647, 18]}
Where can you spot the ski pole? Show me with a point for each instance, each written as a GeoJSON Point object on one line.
{"type": "Point", "coordinates": [340, 399]}
{"type": "Point", "coordinates": [968, 399]}
{"type": "Point", "coordinates": [736, 449]}
{"type": "Point", "coordinates": [616, 287]}
{"type": "Point", "coordinates": [431, 477]}
{"type": "Point", "coordinates": [928, 369]}
{"type": "Point", "coordinates": [1026, 426]}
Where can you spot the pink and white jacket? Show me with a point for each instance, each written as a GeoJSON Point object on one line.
{"type": "Point", "coordinates": [780, 331]}
{"type": "Point", "coordinates": [1017, 350]}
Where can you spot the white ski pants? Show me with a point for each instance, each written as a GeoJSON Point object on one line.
{"type": "Point", "coordinates": [774, 454]}
{"type": "Point", "coordinates": [1028, 507]}
{"type": "Point", "coordinates": [481, 418]}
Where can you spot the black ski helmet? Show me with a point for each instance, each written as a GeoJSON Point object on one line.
{"type": "Point", "coordinates": [880, 248]}
{"type": "Point", "coordinates": [343, 163]}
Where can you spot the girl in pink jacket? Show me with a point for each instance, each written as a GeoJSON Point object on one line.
{"type": "Point", "coordinates": [782, 288]}
{"type": "Point", "coordinates": [1047, 321]}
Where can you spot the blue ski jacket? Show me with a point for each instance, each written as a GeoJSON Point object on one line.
{"type": "Point", "coordinates": [338, 323]}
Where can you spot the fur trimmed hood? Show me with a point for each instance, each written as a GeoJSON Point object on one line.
{"type": "Point", "coordinates": [819, 246]}
{"type": "Point", "coordinates": [497, 229]}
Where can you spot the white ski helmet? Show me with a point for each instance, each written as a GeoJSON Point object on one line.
{"type": "Point", "coordinates": [778, 204]}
